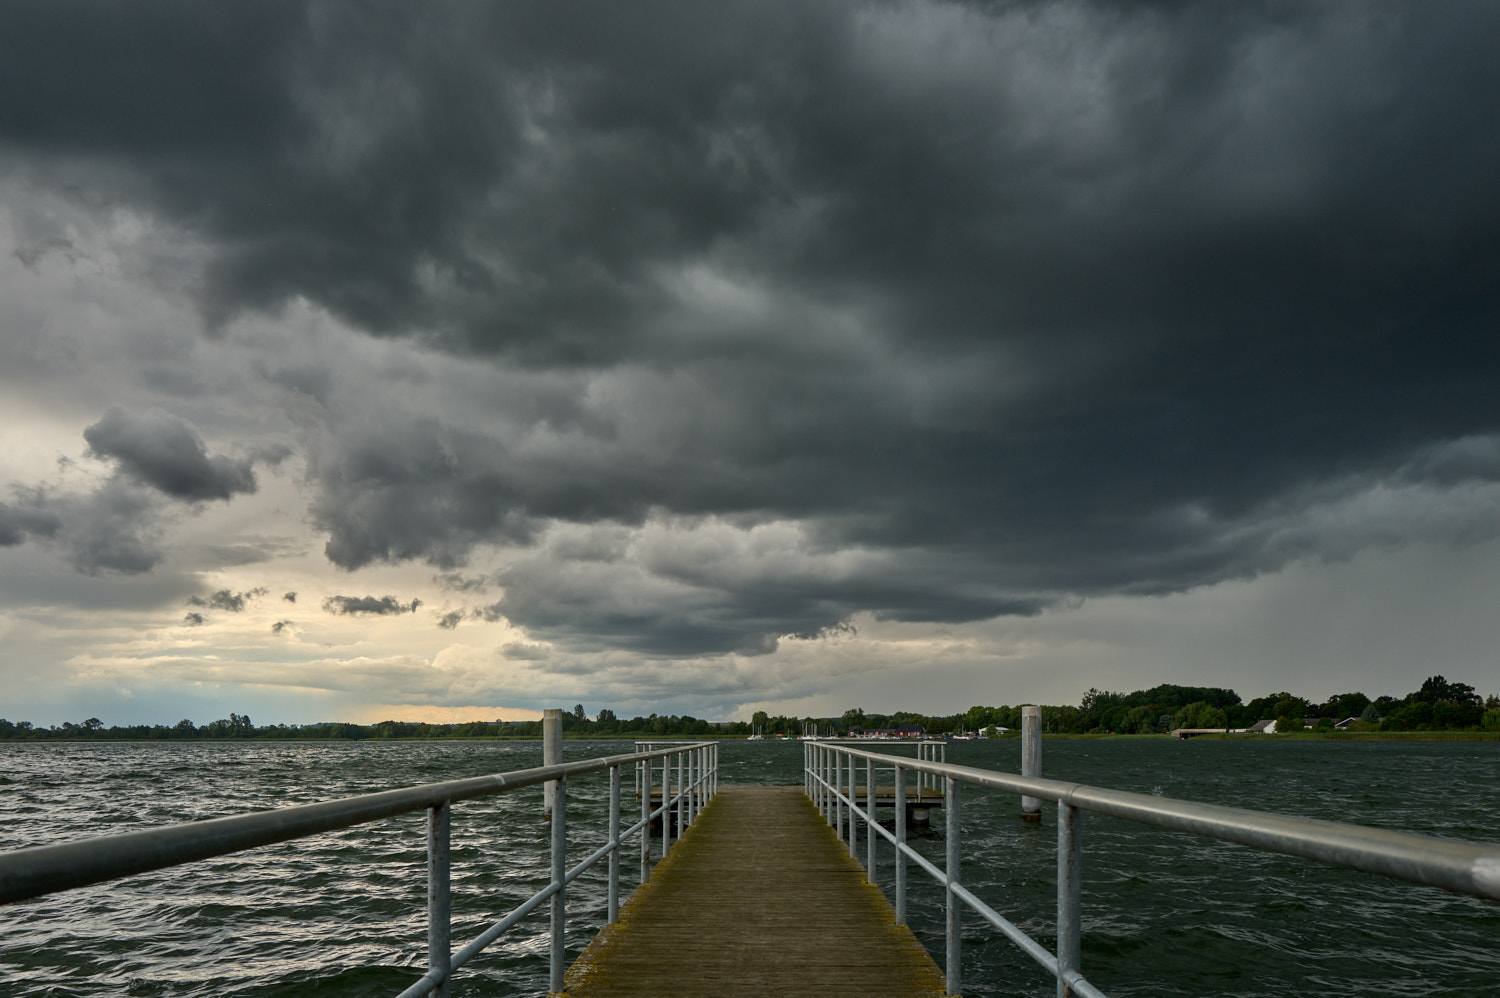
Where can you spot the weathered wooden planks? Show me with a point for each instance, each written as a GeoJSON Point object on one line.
{"type": "Point", "coordinates": [759, 898]}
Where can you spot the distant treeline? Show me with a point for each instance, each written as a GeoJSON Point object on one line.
{"type": "Point", "coordinates": [1437, 706]}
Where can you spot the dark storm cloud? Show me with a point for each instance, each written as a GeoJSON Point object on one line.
{"type": "Point", "coordinates": [412, 489]}
{"type": "Point", "coordinates": [715, 596]}
{"type": "Point", "coordinates": [225, 599]}
{"type": "Point", "coordinates": [16, 524]}
{"type": "Point", "coordinates": [158, 449]}
{"type": "Point", "coordinates": [456, 583]}
{"type": "Point", "coordinates": [451, 619]}
{"type": "Point", "coordinates": [289, 597]}
{"type": "Point", "coordinates": [116, 528]}
{"type": "Point", "coordinates": [1021, 302]}
{"type": "Point", "coordinates": [193, 619]}
{"type": "Point", "coordinates": [384, 606]}
{"type": "Point", "coordinates": [280, 626]}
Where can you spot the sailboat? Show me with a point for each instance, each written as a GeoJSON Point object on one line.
{"type": "Point", "coordinates": [756, 736]}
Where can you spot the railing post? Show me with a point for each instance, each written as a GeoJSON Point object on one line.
{"type": "Point", "coordinates": [831, 775]}
{"type": "Point", "coordinates": [1069, 893]}
{"type": "Point", "coordinates": [828, 787]}
{"type": "Point", "coordinates": [955, 911]}
{"type": "Point", "coordinates": [870, 820]}
{"type": "Point", "coordinates": [666, 805]}
{"type": "Point", "coordinates": [644, 767]}
{"type": "Point", "coordinates": [834, 804]}
{"type": "Point", "coordinates": [853, 809]}
{"type": "Point", "coordinates": [825, 804]}
{"type": "Point", "coordinates": [682, 792]}
{"type": "Point", "coordinates": [900, 777]}
{"type": "Point", "coordinates": [439, 899]}
{"type": "Point", "coordinates": [1031, 757]}
{"type": "Point", "coordinates": [551, 752]}
{"type": "Point", "coordinates": [559, 871]}
{"type": "Point", "coordinates": [817, 751]}
{"type": "Point", "coordinates": [614, 838]}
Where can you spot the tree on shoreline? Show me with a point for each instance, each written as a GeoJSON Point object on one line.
{"type": "Point", "coordinates": [1438, 705]}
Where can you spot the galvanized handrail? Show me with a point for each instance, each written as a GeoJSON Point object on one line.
{"type": "Point", "coordinates": [831, 780]}
{"type": "Point", "coordinates": [41, 870]}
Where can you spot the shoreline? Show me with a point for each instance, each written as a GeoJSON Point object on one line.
{"type": "Point", "coordinates": [1309, 736]}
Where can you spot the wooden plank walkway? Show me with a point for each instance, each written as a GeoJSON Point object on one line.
{"type": "Point", "coordinates": [758, 898]}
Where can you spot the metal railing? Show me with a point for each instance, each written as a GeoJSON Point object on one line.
{"type": "Point", "coordinates": [691, 772]}
{"type": "Point", "coordinates": [832, 778]}
{"type": "Point", "coordinates": [42, 870]}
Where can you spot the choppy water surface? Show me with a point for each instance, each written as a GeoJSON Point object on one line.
{"type": "Point", "coordinates": [344, 913]}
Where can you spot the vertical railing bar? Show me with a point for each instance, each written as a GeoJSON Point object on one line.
{"type": "Point", "coordinates": [439, 898]}
{"type": "Point", "coordinates": [645, 765]}
{"type": "Point", "coordinates": [666, 805]}
{"type": "Point", "coordinates": [834, 805]}
{"type": "Point", "coordinates": [823, 776]}
{"type": "Point", "coordinates": [870, 820]}
{"type": "Point", "coordinates": [853, 808]}
{"type": "Point", "coordinates": [559, 873]}
{"type": "Point", "coordinates": [900, 779]}
{"type": "Point", "coordinates": [828, 787]}
{"type": "Point", "coordinates": [847, 793]}
{"type": "Point", "coordinates": [682, 792]}
{"type": "Point", "coordinates": [614, 840]}
{"type": "Point", "coordinates": [818, 782]}
{"type": "Point", "coordinates": [817, 787]}
{"type": "Point", "coordinates": [953, 869]}
{"type": "Point", "coordinates": [1069, 893]}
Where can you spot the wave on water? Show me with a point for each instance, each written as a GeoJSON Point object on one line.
{"type": "Point", "coordinates": [345, 913]}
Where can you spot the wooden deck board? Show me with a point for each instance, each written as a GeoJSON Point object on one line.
{"type": "Point", "coordinates": [758, 898]}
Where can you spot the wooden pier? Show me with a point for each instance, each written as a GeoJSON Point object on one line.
{"type": "Point", "coordinates": [760, 898]}
{"type": "Point", "coordinates": [919, 803]}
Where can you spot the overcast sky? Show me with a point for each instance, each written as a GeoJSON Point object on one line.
{"type": "Point", "coordinates": [455, 360]}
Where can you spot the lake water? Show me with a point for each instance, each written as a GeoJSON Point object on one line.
{"type": "Point", "coordinates": [344, 914]}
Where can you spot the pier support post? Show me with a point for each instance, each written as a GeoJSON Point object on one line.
{"type": "Point", "coordinates": [1031, 757]}
{"type": "Point", "coordinates": [551, 751]}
